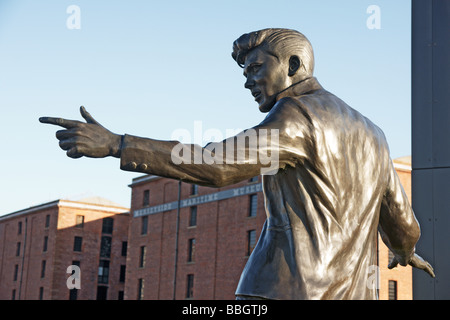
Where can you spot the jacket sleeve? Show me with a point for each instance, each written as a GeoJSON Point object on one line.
{"type": "Point", "coordinates": [263, 149]}
{"type": "Point", "coordinates": [398, 226]}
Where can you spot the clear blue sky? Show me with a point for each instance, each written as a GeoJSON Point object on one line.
{"type": "Point", "coordinates": [148, 68]}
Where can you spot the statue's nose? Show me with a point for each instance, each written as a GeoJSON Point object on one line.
{"type": "Point", "coordinates": [249, 84]}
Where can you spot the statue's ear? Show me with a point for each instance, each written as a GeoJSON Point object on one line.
{"type": "Point", "coordinates": [294, 64]}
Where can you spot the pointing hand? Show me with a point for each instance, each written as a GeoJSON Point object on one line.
{"type": "Point", "coordinates": [89, 139]}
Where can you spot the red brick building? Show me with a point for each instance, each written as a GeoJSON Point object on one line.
{"type": "Point", "coordinates": [38, 244]}
{"type": "Point", "coordinates": [200, 250]}
{"type": "Point", "coordinates": [212, 245]}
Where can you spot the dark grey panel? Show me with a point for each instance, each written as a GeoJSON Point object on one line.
{"type": "Point", "coordinates": [422, 202]}
{"type": "Point", "coordinates": [441, 209]}
{"type": "Point", "coordinates": [431, 202]}
{"type": "Point", "coordinates": [421, 89]}
{"type": "Point", "coordinates": [441, 83]}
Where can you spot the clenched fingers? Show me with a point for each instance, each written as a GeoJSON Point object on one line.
{"type": "Point", "coordinates": [69, 143]}
{"type": "Point", "coordinates": [75, 152]}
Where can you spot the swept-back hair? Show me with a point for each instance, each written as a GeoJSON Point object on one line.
{"type": "Point", "coordinates": [279, 42]}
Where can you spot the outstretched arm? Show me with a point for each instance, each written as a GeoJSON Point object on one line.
{"type": "Point", "coordinates": [189, 162]}
{"type": "Point", "coordinates": [279, 140]}
{"type": "Point", "coordinates": [164, 158]}
{"type": "Point", "coordinates": [263, 149]}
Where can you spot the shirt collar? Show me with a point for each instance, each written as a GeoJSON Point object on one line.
{"type": "Point", "coordinates": [303, 87]}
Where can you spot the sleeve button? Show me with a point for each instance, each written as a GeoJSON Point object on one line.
{"type": "Point", "coordinates": [132, 165]}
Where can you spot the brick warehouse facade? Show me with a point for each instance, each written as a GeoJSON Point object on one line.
{"type": "Point", "coordinates": [212, 240]}
{"type": "Point", "coordinates": [217, 229]}
{"type": "Point", "coordinates": [38, 244]}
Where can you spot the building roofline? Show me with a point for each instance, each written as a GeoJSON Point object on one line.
{"type": "Point", "coordinates": [142, 179]}
{"type": "Point", "coordinates": [66, 203]}
{"type": "Point", "coordinates": [29, 210]}
{"type": "Point", "coordinates": [93, 206]}
{"type": "Point", "coordinates": [403, 163]}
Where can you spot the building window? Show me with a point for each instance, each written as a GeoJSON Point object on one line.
{"type": "Point", "coordinates": [103, 271]}
{"type": "Point", "coordinates": [102, 293]}
{"type": "Point", "coordinates": [47, 221]}
{"type": "Point", "coordinates": [16, 272]}
{"type": "Point", "coordinates": [107, 226]}
{"type": "Point", "coordinates": [251, 241]}
{"type": "Point", "coordinates": [144, 225]}
{"type": "Point", "coordinates": [105, 247]}
{"type": "Point", "coordinates": [121, 295]}
{"type": "Point", "coordinates": [390, 255]}
{"type": "Point", "coordinates": [73, 294]}
{"type": "Point", "coordinates": [18, 245]}
{"type": "Point", "coordinates": [124, 248]}
{"type": "Point", "coordinates": [194, 189]}
{"type": "Point", "coordinates": [142, 257]}
{"type": "Point", "coordinates": [41, 293]}
{"type": "Point", "coordinates": [253, 205]}
{"type": "Point", "coordinates": [392, 290]}
{"type": "Point", "coordinates": [13, 295]}
{"type": "Point", "coordinates": [190, 286]}
{"type": "Point", "coordinates": [79, 223]}
{"type": "Point", "coordinates": [43, 268]}
{"type": "Point", "coordinates": [122, 273]}
{"type": "Point", "coordinates": [140, 289]}
{"type": "Point", "coordinates": [19, 227]}
{"type": "Point", "coordinates": [146, 200]}
{"type": "Point", "coordinates": [191, 250]}
{"type": "Point", "coordinates": [77, 242]}
{"type": "Point", "coordinates": [76, 263]}
{"type": "Point", "coordinates": [44, 246]}
{"type": "Point", "coordinates": [254, 179]}
{"type": "Point", "coordinates": [193, 217]}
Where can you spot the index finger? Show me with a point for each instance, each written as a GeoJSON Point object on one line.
{"type": "Point", "coordinates": [68, 124]}
{"type": "Point", "coordinates": [426, 266]}
{"type": "Point", "coordinates": [429, 269]}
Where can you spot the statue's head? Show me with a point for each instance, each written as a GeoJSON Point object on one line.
{"type": "Point", "coordinates": [273, 60]}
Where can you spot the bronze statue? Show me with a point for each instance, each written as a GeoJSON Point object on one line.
{"type": "Point", "coordinates": [333, 189]}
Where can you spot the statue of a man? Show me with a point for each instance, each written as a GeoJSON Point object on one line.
{"type": "Point", "coordinates": [333, 189]}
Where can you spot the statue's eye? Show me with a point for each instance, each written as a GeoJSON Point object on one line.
{"type": "Point", "coordinates": [255, 68]}
{"type": "Point", "coordinates": [252, 69]}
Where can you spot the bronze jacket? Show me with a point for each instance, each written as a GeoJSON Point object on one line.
{"type": "Point", "coordinates": [334, 189]}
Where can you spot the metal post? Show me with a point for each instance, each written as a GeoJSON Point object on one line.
{"type": "Point", "coordinates": [176, 242]}
{"type": "Point", "coordinates": [23, 257]}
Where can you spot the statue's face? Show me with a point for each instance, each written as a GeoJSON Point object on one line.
{"type": "Point", "coordinates": [266, 77]}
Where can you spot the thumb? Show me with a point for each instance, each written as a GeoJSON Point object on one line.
{"type": "Point", "coordinates": [87, 116]}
